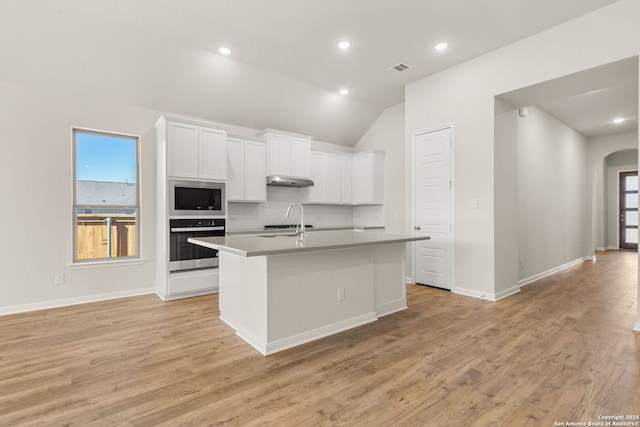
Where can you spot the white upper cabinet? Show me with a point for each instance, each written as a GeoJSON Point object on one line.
{"type": "Point", "coordinates": [332, 179]}
{"type": "Point", "coordinates": [279, 154]}
{"type": "Point", "coordinates": [367, 179]}
{"type": "Point", "coordinates": [196, 152]}
{"type": "Point", "coordinates": [300, 157]}
{"type": "Point", "coordinates": [288, 155]}
{"type": "Point", "coordinates": [182, 156]}
{"type": "Point", "coordinates": [345, 170]}
{"type": "Point", "coordinates": [255, 182]}
{"type": "Point", "coordinates": [246, 172]}
{"type": "Point", "coordinates": [345, 179]}
{"type": "Point", "coordinates": [212, 154]}
{"type": "Point", "coordinates": [235, 169]}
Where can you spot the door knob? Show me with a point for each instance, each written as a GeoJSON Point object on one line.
{"type": "Point", "coordinates": [417, 227]}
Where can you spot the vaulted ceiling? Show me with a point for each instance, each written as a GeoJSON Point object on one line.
{"type": "Point", "coordinates": [285, 67]}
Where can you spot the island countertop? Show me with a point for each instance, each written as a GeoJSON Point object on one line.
{"type": "Point", "coordinates": [285, 243]}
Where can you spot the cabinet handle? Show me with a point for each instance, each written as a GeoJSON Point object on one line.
{"type": "Point", "coordinates": [417, 227]}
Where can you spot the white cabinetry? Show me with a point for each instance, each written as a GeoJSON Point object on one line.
{"type": "Point", "coordinates": [300, 157]}
{"type": "Point", "coordinates": [189, 149]}
{"type": "Point", "coordinates": [368, 179]}
{"type": "Point", "coordinates": [287, 154]}
{"type": "Point", "coordinates": [327, 178]}
{"type": "Point", "coordinates": [246, 172]}
{"type": "Point", "coordinates": [345, 190]}
{"type": "Point", "coordinates": [196, 151]}
{"type": "Point", "coordinates": [345, 179]}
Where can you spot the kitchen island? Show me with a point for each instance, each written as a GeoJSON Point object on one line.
{"type": "Point", "coordinates": [278, 291]}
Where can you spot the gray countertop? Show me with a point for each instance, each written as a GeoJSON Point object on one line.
{"type": "Point", "coordinates": [280, 230]}
{"type": "Point", "coordinates": [245, 245]}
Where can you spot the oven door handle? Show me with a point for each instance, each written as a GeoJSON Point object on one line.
{"type": "Point", "coordinates": [195, 229]}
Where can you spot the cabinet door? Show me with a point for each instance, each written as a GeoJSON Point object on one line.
{"type": "Point", "coordinates": [279, 155]}
{"type": "Point", "coordinates": [182, 150]}
{"type": "Point", "coordinates": [316, 193]}
{"type": "Point", "coordinates": [301, 157]}
{"type": "Point", "coordinates": [255, 183]}
{"type": "Point", "coordinates": [235, 169]}
{"type": "Point", "coordinates": [362, 184]}
{"type": "Point", "coordinates": [332, 179]}
{"type": "Point", "coordinates": [345, 169]}
{"type": "Point", "coordinates": [212, 150]}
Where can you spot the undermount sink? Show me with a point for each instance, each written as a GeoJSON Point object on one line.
{"type": "Point", "coordinates": [278, 235]}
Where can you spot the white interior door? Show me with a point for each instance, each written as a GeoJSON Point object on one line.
{"type": "Point", "coordinates": [432, 211]}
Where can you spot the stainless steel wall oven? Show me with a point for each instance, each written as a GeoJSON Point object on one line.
{"type": "Point", "coordinates": [185, 256]}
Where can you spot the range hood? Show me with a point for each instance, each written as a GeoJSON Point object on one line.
{"type": "Point", "coordinates": [285, 181]}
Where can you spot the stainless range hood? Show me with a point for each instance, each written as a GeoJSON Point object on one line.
{"type": "Point", "coordinates": [285, 181]}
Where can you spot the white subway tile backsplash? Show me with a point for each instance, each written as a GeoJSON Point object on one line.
{"type": "Point", "coordinates": [243, 216]}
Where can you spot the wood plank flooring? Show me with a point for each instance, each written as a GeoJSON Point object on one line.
{"type": "Point", "coordinates": [561, 350]}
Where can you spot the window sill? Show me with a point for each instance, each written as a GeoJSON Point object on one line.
{"type": "Point", "coordinates": [103, 264]}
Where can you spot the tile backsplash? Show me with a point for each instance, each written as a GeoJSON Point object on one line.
{"type": "Point", "coordinates": [241, 216]}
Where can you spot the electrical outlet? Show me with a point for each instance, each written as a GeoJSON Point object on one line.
{"type": "Point", "coordinates": [58, 279]}
{"type": "Point", "coordinates": [340, 294]}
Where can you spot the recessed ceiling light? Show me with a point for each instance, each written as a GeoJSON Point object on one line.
{"type": "Point", "coordinates": [344, 91]}
{"type": "Point", "coordinates": [344, 45]}
{"type": "Point", "coordinates": [224, 50]}
{"type": "Point", "coordinates": [618, 120]}
{"type": "Point", "coordinates": [441, 46]}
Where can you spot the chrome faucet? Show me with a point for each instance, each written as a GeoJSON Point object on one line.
{"type": "Point", "coordinates": [299, 231]}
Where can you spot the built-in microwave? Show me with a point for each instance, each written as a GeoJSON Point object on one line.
{"type": "Point", "coordinates": [196, 198]}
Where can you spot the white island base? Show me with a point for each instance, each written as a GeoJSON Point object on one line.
{"type": "Point", "coordinates": [275, 302]}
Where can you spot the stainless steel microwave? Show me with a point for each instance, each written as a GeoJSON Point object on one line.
{"type": "Point", "coordinates": [196, 198]}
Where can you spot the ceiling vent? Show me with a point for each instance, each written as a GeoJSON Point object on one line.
{"type": "Point", "coordinates": [397, 69]}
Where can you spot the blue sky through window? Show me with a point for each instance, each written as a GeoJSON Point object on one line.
{"type": "Point", "coordinates": [105, 158]}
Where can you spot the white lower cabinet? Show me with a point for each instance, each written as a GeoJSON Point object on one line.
{"type": "Point", "coordinates": [246, 171]}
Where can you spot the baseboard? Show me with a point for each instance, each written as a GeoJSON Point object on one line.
{"type": "Point", "coordinates": [173, 297]}
{"type": "Point", "coordinates": [489, 296]}
{"type": "Point", "coordinates": [409, 280]}
{"type": "Point", "coordinates": [637, 327]}
{"type": "Point", "coordinates": [507, 292]}
{"type": "Point", "coordinates": [554, 270]}
{"type": "Point", "coordinates": [23, 308]}
{"type": "Point", "coordinates": [325, 331]}
{"type": "Point", "coordinates": [391, 307]}
{"type": "Point", "coordinates": [613, 248]}
{"type": "Point", "coordinates": [601, 248]}
{"type": "Point", "coordinates": [267, 348]}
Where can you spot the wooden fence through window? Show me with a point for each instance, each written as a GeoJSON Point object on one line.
{"type": "Point", "coordinates": [93, 236]}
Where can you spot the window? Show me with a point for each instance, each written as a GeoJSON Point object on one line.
{"type": "Point", "coordinates": [106, 211]}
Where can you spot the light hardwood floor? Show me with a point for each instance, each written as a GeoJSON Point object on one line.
{"type": "Point", "coordinates": [561, 350]}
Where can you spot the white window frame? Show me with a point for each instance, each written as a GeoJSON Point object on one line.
{"type": "Point", "coordinates": [75, 206]}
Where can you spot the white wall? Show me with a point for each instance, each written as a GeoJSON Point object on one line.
{"type": "Point", "coordinates": [506, 200]}
{"type": "Point", "coordinates": [554, 201]}
{"type": "Point", "coordinates": [464, 95]}
{"type": "Point", "coordinates": [36, 176]}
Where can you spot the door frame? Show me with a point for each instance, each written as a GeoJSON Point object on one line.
{"type": "Point", "coordinates": [414, 134]}
{"type": "Point", "coordinates": [619, 205]}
